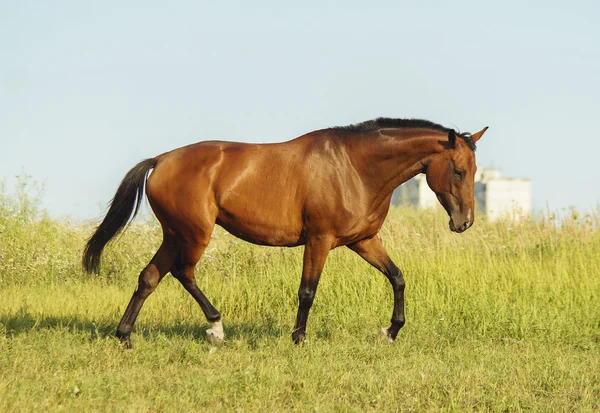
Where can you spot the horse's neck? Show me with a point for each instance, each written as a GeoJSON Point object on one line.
{"type": "Point", "coordinates": [393, 156]}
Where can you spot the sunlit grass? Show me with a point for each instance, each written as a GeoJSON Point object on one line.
{"type": "Point", "coordinates": [503, 317]}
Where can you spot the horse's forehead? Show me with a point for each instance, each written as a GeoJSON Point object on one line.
{"type": "Point", "coordinates": [464, 156]}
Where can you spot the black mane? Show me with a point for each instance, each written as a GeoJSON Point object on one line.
{"type": "Point", "coordinates": [382, 123]}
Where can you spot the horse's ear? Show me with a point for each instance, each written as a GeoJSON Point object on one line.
{"type": "Point", "coordinates": [478, 135]}
{"type": "Point", "coordinates": [452, 138]}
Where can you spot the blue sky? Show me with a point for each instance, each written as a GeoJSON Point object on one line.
{"type": "Point", "coordinates": [87, 89]}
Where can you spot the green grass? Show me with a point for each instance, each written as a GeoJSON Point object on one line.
{"type": "Point", "coordinates": [505, 317]}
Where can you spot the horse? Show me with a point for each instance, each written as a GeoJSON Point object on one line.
{"type": "Point", "coordinates": [325, 189]}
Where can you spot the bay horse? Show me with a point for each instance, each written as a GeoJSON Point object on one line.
{"type": "Point", "coordinates": [325, 189]}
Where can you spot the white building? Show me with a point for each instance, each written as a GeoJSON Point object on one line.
{"type": "Point", "coordinates": [495, 196]}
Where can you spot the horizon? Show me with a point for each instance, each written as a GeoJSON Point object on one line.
{"type": "Point", "coordinates": [88, 90]}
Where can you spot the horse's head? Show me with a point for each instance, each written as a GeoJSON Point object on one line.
{"type": "Point", "coordinates": [451, 175]}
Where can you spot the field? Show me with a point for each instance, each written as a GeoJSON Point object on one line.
{"type": "Point", "coordinates": [505, 317]}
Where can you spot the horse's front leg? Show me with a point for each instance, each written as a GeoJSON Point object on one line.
{"type": "Point", "coordinates": [315, 254]}
{"type": "Point", "coordinates": [372, 251]}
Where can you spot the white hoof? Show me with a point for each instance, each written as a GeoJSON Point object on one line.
{"type": "Point", "coordinates": [385, 335]}
{"type": "Point", "coordinates": [215, 334]}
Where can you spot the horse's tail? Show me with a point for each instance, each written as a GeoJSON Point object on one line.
{"type": "Point", "coordinates": [123, 208]}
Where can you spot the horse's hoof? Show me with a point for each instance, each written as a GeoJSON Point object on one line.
{"type": "Point", "coordinates": [384, 333]}
{"type": "Point", "coordinates": [299, 341]}
{"type": "Point", "coordinates": [215, 335]}
{"type": "Point", "coordinates": [298, 337]}
{"type": "Point", "coordinates": [125, 341]}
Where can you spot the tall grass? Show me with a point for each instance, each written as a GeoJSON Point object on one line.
{"type": "Point", "coordinates": [504, 316]}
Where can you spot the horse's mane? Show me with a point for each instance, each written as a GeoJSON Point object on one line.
{"type": "Point", "coordinates": [382, 123]}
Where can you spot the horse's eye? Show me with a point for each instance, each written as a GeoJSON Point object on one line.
{"type": "Point", "coordinates": [458, 174]}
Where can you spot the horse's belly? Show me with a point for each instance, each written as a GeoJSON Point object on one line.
{"type": "Point", "coordinates": [262, 230]}
{"type": "Point", "coordinates": [261, 208]}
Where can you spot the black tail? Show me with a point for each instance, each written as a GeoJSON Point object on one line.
{"type": "Point", "coordinates": [123, 208]}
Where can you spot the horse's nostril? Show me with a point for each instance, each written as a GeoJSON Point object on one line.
{"type": "Point", "coordinates": [464, 226]}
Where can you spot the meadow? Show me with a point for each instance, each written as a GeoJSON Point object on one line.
{"type": "Point", "coordinates": [504, 317]}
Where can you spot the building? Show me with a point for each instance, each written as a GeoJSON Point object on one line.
{"type": "Point", "coordinates": [495, 196]}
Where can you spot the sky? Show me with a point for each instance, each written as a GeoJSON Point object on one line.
{"type": "Point", "coordinates": [88, 89]}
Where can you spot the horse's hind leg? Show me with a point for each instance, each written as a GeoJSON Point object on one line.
{"type": "Point", "coordinates": [147, 282]}
{"type": "Point", "coordinates": [183, 270]}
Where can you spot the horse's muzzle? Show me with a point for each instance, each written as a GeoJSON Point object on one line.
{"type": "Point", "coordinates": [462, 228]}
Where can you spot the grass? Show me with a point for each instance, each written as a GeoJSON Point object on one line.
{"type": "Point", "coordinates": [502, 318]}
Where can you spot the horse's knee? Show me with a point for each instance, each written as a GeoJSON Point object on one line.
{"type": "Point", "coordinates": [306, 297]}
{"type": "Point", "coordinates": [396, 278]}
